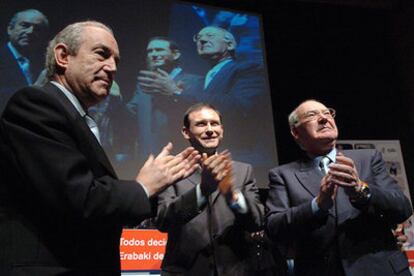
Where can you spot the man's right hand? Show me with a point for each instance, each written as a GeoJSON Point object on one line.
{"type": "Point", "coordinates": [165, 169]}
{"type": "Point", "coordinates": [215, 169]}
{"type": "Point", "coordinates": [327, 193]}
{"type": "Point", "coordinates": [158, 82]}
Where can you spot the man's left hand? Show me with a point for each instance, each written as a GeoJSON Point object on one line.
{"type": "Point", "coordinates": [344, 174]}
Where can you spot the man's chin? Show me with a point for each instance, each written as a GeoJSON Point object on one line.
{"type": "Point", "coordinates": [206, 149]}
{"type": "Point", "coordinates": [100, 95]}
{"type": "Point", "coordinates": [210, 151]}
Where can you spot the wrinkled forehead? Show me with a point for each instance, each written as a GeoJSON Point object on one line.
{"type": "Point", "coordinates": [31, 17]}
{"type": "Point", "coordinates": [308, 106]}
{"type": "Point", "coordinates": [95, 37]}
{"type": "Point", "coordinates": [211, 30]}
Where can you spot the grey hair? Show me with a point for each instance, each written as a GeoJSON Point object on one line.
{"type": "Point", "coordinates": [229, 37]}
{"type": "Point", "coordinates": [293, 118]}
{"type": "Point", "coordinates": [13, 20]}
{"type": "Point", "coordinates": [71, 36]}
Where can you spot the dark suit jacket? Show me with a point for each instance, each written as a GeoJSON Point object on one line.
{"type": "Point", "coordinates": [11, 76]}
{"type": "Point", "coordinates": [158, 117]}
{"type": "Point", "coordinates": [61, 205]}
{"type": "Point", "coordinates": [198, 237]}
{"type": "Point", "coordinates": [360, 239]}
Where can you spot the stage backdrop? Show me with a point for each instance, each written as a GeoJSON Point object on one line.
{"type": "Point", "coordinates": [134, 124]}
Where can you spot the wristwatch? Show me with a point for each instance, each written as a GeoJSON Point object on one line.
{"type": "Point", "coordinates": [362, 193]}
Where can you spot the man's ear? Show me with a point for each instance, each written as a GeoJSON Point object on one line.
{"type": "Point", "coordinates": [230, 45]}
{"type": "Point", "coordinates": [9, 29]}
{"type": "Point", "coordinates": [61, 55]}
{"type": "Point", "coordinates": [294, 132]}
{"type": "Point", "coordinates": [186, 133]}
{"type": "Point", "coordinates": [176, 54]}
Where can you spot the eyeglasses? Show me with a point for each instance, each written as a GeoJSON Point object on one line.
{"type": "Point", "coordinates": [314, 115]}
{"type": "Point", "coordinates": [208, 36]}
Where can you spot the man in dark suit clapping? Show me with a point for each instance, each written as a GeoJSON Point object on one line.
{"type": "Point", "coordinates": [62, 207]}
{"type": "Point", "coordinates": [335, 209]}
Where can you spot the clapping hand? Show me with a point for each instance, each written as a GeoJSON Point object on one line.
{"type": "Point", "coordinates": [158, 82]}
{"type": "Point", "coordinates": [165, 169]}
{"type": "Point", "coordinates": [216, 173]}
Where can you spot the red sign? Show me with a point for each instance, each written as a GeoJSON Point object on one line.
{"type": "Point", "coordinates": [142, 249]}
{"type": "Point", "coordinates": [410, 256]}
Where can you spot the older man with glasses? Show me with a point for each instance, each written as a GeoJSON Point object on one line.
{"type": "Point", "coordinates": [236, 86]}
{"type": "Point", "coordinates": [335, 210]}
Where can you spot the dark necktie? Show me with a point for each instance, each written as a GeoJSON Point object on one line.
{"type": "Point", "coordinates": [25, 65]}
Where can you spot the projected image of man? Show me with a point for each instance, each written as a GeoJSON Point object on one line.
{"type": "Point", "coordinates": [238, 88]}
{"type": "Point", "coordinates": [157, 101]}
{"type": "Point", "coordinates": [21, 58]}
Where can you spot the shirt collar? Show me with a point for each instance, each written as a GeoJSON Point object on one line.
{"type": "Point", "coordinates": [14, 51]}
{"type": "Point", "coordinates": [220, 65]}
{"type": "Point", "coordinates": [175, 72]}
{"type": "Point", "coordinates": [75, 102]}
{"type": "Point", "coordinates": [331, 155]}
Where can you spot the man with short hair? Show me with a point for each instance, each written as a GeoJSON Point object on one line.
{"type": "Point", "coordinates": [335, 209]}
{"type": "Point", "coordinates": [21, 58]}
{"type": "Point", "coordinates": [158, 101]}
{"type": "Point", "coordinates": [210, 215]}
{"type": "Point", "coordinates": [62, 207]}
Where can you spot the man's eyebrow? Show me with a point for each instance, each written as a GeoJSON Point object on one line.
{"type": "Point", "coordinates": [108, 50]}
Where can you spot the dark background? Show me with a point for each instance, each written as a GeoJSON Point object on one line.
{"type": "Point", "coordinates": [355, 56]}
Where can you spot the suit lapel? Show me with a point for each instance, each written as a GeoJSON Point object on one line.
{"type": "Point", "coordinates": [195, 178]}
{"type": "Point", "coordinates": [10, 67]}
{"type": "Point", "coordinates": [83, 129]}
{"type": "Point", "coordinates": [216, 84]}
{"type": "Point", "coordinates": [309, 177]}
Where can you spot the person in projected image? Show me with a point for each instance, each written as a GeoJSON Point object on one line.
{"type": "Point", "coordinates": [211, 215]}
{"type": "Point", "coordinates": [238, 88]}
{"type": "Point", "coordinates": [336, 209]}
{"type": "Point", "coordinates": [157, 101]}
{"type": "Point", "coordinates": [21, 58]}
{"type": "Point", "coordinates": [114, 125]}
{"type": "Point", "coordinates": [62, 206]}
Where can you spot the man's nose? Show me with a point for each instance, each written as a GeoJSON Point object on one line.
{"type": "Point", "coordinates": [30, 29]}
{"type": "Point", "coordinates": [209, 130]}
{"type": "Point", "coordinates": [202, 40]}
{"type": "Point", "coordinates": [322, 118]}
{"type": "Point", "coordinates": [111, 65]}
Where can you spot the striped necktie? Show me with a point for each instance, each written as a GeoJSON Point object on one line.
{"type": "Point", "coordinates": [323, 164]}
{"type": "Point", "coordinates": [92, 126]}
